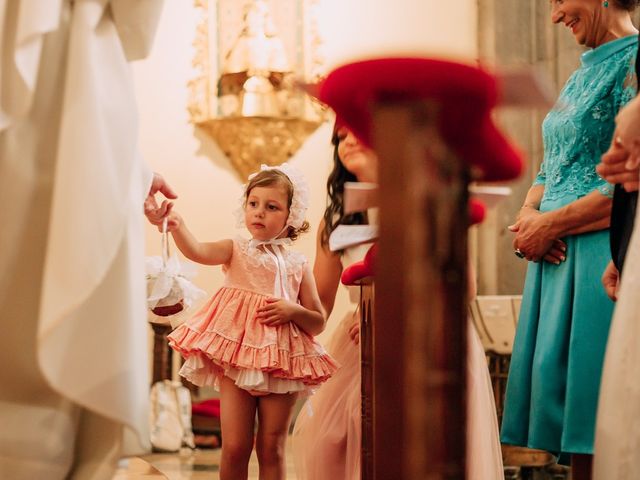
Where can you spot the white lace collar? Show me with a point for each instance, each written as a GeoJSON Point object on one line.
{"type": "Point", "coordinates": [274, 256]}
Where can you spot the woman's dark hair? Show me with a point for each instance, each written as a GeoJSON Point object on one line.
{"type": "Point", "coordinates": [334, 213]}
{"type": "Point", "coordinates": [629, 5]}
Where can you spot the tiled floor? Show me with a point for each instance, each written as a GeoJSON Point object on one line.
{"type": "Point", "coordinates": [186, 465]}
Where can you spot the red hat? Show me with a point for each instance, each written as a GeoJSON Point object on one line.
{"type": "Point", "coordinates": [466, 95]}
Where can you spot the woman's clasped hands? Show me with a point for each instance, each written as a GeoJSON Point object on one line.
{"type": "Point", "coordinates": [535, 238]}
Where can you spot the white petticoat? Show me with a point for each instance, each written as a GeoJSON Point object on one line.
{"type": "Point", "coordinates": [255, 381]}
{"type": "Point", "coordinates": [259, 381]}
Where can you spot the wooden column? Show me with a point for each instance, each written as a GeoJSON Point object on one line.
{"type": "Point", "coordinates": [162, 354]}
{"type": "Point", "coordinates": [163, 357]}
{"type": "Point", "coordinates": [419, 342]}
{"type": "Point", "coordinates": [367, 360]}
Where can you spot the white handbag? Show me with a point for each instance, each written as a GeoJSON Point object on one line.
{"type": "Point", "coordinates": [170, 416]}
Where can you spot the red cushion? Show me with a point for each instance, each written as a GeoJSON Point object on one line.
{"type": "Point", "coordinates": [477, 211]}
{"type": "Point", "coordinates": [362, 269]}
{"type": "Point", "coordinates": [467, 95]}
{"type": "Point", "coordinates": [207, 408]}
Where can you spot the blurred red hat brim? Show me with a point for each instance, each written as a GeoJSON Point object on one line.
{"type": "Point", "coordinates": [466, 94]}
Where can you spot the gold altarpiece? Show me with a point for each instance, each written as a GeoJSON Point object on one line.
{"type": "Point", "coordinates": [249, 55]}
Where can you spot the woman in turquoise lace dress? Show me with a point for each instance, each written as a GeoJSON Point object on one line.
{"type": "Point", "coordinates": [562, 229]}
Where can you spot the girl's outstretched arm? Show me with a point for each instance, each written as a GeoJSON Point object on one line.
{"type": "Point", "coordinates": [207, 253]}
{"type": "Point", "coordinates": [308, 314]}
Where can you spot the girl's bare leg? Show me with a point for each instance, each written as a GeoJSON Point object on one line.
{"type": "Point", "coordinates": [237, 418]}
{"type": "Point", "coordinates": [274, 417]}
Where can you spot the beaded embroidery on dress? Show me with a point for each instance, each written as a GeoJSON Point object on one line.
{"type": "Point", "coordinates": [578, 130]}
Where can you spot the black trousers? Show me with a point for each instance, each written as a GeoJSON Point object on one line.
{"type": "Point", "coordinates": [623, 214]}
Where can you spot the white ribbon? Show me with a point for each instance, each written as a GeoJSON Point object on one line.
{"type": "Point", "coordinates": [277, 255]}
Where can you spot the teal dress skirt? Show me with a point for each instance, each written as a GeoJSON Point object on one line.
{"type": "Point", "coordinates": [554, 377]}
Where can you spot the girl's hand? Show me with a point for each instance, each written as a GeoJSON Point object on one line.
{"type": "Point", "coordinates": [174, 220]}
{"type": "Point", "coordinates": [354, 333]}
{"type": "Point", "coordinates": [276, 311]}
{"type": "Point", "coordinates": [154, 213]}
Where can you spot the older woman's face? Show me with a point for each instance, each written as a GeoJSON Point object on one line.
{"type": "Point", "coordinates": [585, 18]}
{"type": "Point", "coordinates": [358, 159]}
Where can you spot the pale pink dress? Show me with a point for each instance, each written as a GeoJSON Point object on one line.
{"type": "Point", "coordinates": [484, 454]}
{"type": "Point", "coordinates": [327, 433]}
{"type": "Point", "coordinates": [225, 338]}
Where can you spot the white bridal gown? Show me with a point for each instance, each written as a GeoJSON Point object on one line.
{"type": "Point", "coordinates": [617, 443]}
{"type": "Point", "coordinates": [73, 349]}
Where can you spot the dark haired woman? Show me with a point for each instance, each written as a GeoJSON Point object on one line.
{"type": "Point", "coordinates": [552, 391]}
{"type": "Point", "coordinates": [327, 434]}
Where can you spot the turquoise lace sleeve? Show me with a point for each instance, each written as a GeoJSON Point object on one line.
{"type": "Point", "coordinates": [606, 189]}
{"type": "Point", "coordinates": [626, 87]}
{"type": "Point", "coordinates": [624, 90]}
{"type": "Point", "coordinates": [579, 129]}
{"type": "Point", "coordinates": [541, 178]}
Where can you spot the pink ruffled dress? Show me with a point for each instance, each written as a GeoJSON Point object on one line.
{"type": "Point", "coordinates": [225, 339]}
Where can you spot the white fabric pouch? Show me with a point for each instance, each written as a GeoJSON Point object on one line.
{"type": "Point", "coordinates": [169, 286]}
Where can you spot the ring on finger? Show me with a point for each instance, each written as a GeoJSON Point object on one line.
{"type": "Point", "coordinates": [518, 253]}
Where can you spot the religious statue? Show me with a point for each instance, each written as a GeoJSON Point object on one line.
{"type": "Point", "coordinates": [257, 62]}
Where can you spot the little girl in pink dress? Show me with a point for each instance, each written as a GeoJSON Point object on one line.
{"type": "Point", "coordinates": [254, 338]}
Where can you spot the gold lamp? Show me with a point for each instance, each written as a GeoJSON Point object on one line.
{"type": "Point", "coordinates": [249, 54]}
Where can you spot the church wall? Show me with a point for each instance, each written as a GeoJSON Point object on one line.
{"type": "Point", "coordinates": [204, 178]}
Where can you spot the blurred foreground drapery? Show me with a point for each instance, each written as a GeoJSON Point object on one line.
{"type": "Point", "coordinates": [74, 340]}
